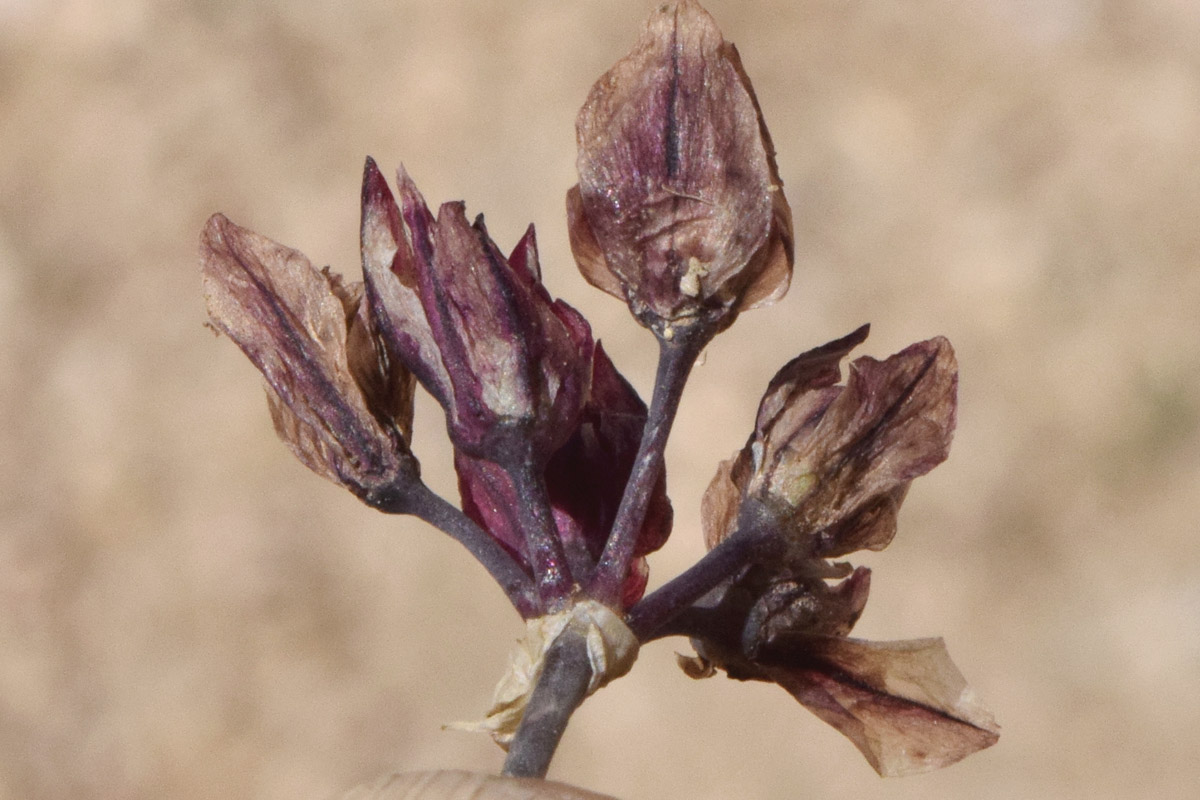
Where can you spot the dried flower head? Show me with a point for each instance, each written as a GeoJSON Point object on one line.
{"type": "Point", "coordinates": [679, 209]}
{"type": "Point", "coordinates": [832, 463]}
{"type": "Point", "coordinates": [825, 472]}
{"type": "Point", "coordinates": [338, 399]}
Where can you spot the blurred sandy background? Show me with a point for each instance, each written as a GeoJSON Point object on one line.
{"type": "Point", "coordinates": [186, 612]}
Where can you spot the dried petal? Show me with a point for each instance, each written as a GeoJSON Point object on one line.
{"type": "Point", "coordinates": [586, 477]}
{"type": "Point", "coordinates": [903, 704]}
{"type": "Point", "coordinates": [390, 276]}
{"type": "Point", "coordinates": [679, 207]}
{"type": "Point", "coordinates": [829, 466]}
{"type": "Point", "coordinates": [796, 604]}
{"type": "Point", "coordinates": [337, 402]}
{"type": "Point", "coordinates": [835, 462]}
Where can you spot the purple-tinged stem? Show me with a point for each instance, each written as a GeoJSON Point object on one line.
{"type": "Point", "coordinates": [563, 685]}
{"type": "Point", "coordinates": [675, 359]}
{"type": "Point", "coordinates": [422, 502]}
{"type": "Point", "coordinates": [661, 606]}
{"type": "Point", "coordinates": [542, 544]}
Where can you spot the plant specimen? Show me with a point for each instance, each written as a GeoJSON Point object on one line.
{"type": "Point", "coordinates": [680, 212]}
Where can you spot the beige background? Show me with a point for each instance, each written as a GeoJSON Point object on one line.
{"type": "Point", "coordinates": [186, 612]}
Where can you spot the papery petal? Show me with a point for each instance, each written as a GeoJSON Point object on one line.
{"type": "Point", "coordinates": [807, 605]}
{"type": "Point", "coordinates": [390, 272]}
{"type": "Point", "coordinates": [568, 344]}
{"type": "Point", "coordinates": [834, 462]}
{"type": "Point", "coordinates": [679, 203]}
{"type": "Point", "coordinates": [723, 498]}
{"type": "Point", "coordinates": [892, 422]}
{"type": "Point", "coordinates": [585, 479]}
{"type": "Point", "coordinates": [489, 497]}
{"type": "Point", "coordinates": [387, 385]}
{"type": "Point", "coordinates": [795, 400]}
{"type": "Point", "coordinates": [903, 704]}
{"type": "Point", "coordinates": [815, 369]}
{"type": "Point", "coordinates": [589, 256]}
{"type": "Point", "coordinates": [291, 320]}
{"type": "Point", "coordinates": [482, 325]}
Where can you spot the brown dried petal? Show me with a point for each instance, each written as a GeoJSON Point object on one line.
{"type": "Point", "coordinates": [805, 605]}
{"type": "Point", "coordinates": [835, 462]}
{"type": "Point", "coordinates": [723, 499]}
{"type": "Point", "coordinates": [903, 704]}
{"type": "Point", "coordinates": [800, 392]}
{"type": "Point", "coordinates": [387, 385]}
{"type": "Point", "coordinates": [679, 206]}
{"type": "Point", "coordinates": [291, 320]}
{"type": "Point", "coordinates": [892, 422]}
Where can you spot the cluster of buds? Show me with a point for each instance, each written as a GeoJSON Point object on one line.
{"type": "Point", "coordinates": [679, 211]}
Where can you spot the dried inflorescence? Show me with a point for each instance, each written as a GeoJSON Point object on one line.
{"type": "Point", "coordinates": [680, 211]}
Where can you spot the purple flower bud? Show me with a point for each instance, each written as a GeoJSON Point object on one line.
{"type": "Point", "coordinates": [679, 208]}
{"type": "Point", "coordinates": [509, 365]}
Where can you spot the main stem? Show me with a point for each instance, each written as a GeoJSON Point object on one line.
{"type": "Point", "coordinates": [562, 686]}
{"type": "Point", "coordinates": [675, 359]}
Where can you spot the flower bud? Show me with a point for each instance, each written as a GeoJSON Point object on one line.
{"type": "Point", "coordinates": [679, 208]}
{"type": "Point", "coordinates": [338, 401]}
{"type": "Point", "coordinates": [478, 330]}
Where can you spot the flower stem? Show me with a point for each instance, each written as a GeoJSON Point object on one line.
{"type": "Point", "coordinates": [536, 521]}
{"type": "Point", "coordinates": [662, 605]}
{"type": "Point", "coordinates": [422, 502]}
{"type": "Point", "coordinates": [561, 688]}
{"type": "Point", "coordinates": [675, 359]}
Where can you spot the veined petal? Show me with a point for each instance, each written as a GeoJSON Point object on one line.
{"type": "Point", "coordinates": [390, 272]}
{"type": "Point", "coordinates": [834, 462]}
{"type": "Point", "coordinates": [904, 705]}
